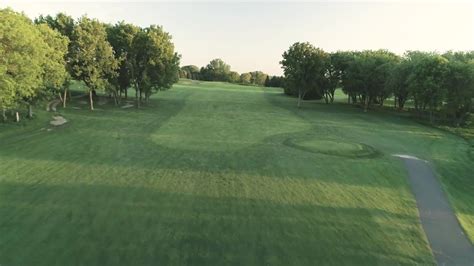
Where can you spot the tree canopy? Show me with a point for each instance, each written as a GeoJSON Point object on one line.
{"type": "Point", "coordinates": [92, 56]}
{"type": "Point", "coordinates": [304, 67]}
{"type": "Point", "coordinates": [24, 59]}
{"type": "Point", "coordinates": [216, 70]}
{"type": "Point", "coordinates": [155, 64]}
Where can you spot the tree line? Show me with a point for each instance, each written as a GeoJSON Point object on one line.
{"type": "Point", "coordinates": [40, 57]}
{"type": "Point", "coordinates": [218, 70]}
{"type": "Point", "coordinates": [439, 85]}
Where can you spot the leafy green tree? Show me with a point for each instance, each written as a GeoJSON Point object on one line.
{"type": "Point", "coordinates": [234, 77]}
{"type": "Point", "coordinates": [365, 75]}
{"type": "Point", "coordinates": [460, 86]}
{"type": "Point", "coordinates": [384, 62]}
{"type": "Point", "coordinates": [427, 80]}
{"type": "Point", "coordinates": [22, 58]}
{"type": "Point", "coordinates": [274, 81]}
{"type": "Point", "coordinates": [397, 82]}
{"type": "Point", "coordinates": [331, 81]}
{"type": "Point", "coordinates": [347, 70]}
{"type": "Point", "coordinates": [63, 23]}
{"type": "Point", "coordinates": [54, 75]}
{"type": "Point", "coordinates": [304, 67]}
{"type": "Point", "coordinates": [92, 57]}
{"type": "Point", "coordinates": [121, 36]}
{"type": "Point", "coordinates": [245, 78]}
{"type": "Point", "coordinates": [155, 63]}
{"type": "Point", "coordinates": [258, 78]}
{"type": "Point", "coordinates": [190, 72]}
{"type": "Point", "coordinates": [216, 70]}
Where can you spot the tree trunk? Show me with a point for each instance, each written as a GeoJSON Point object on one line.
{"type": "Point", "coordinates": [17, 117]}
{"type": "Point", "coordinates": [91, 100]}
{"type": "Point", "coordinates": [4, 115]}
{"type": "Point", "coordinates": [136, 98]}
{"type": "Point", "coordinates": [126, 93]}
{"type": "Point", "coordinates": [30, 110]}
{"type": "Point", "coordinates": [299, 99]}
{"type": "Point", "coordinates": [366, 104]}
{"type": "Point", "coordinates": [115, 98]}
{"type": "Point", "coordinates": [64, 99]}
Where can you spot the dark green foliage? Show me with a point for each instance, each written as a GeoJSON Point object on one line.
{"type": "Point", "coordinates": [460, 86]}
{"type": "Point", "coordinates": [63, 23]}
{"type": "Point", "coordinates": [189, 72]}
{"type": "Point", "coordinates": [216, 70]}
{"type": "Point", "coordinates": [32, 61]}
{"type": "Point", "coordinates": [274, 81]}
{"type": "Point", "coordinates": [304, 67]}
{"type": "Point", "coordinates": [155, 64]}
{"type": "Point", "coordinates": [92, 56]}
{"type": "Point", "coordinates": [121, 36]}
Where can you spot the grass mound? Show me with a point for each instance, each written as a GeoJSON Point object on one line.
{"type": "Point", "coordinates": [334, 147]}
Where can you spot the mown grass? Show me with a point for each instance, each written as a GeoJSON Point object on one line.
{"type": "Point", "coordinates": [204, 175]}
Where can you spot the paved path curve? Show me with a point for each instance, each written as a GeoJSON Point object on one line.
{"type": "Point", "coordinates": [448, 242]}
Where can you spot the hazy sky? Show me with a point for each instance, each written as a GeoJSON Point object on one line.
{"type": "Point", "coordinates": [252, 35]}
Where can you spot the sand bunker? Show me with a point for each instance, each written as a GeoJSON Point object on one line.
{"type": "Point", "coordinates": [58, 121]}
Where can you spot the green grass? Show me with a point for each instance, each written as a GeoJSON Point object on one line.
{"type": "Point", "coordinates": [219, 174]}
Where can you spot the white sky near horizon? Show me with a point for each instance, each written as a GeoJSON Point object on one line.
{"type": "Point", "coordinates": [251, 35]}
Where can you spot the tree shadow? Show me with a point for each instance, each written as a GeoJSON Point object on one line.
{"type": "Point", "coordinates": [78, 224]}
{"type": "Point", "coordinates": [127, 143]}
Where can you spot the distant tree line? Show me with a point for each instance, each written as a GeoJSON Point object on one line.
{"type": "Point", "coordinates": [218, 70]}
{"type": "Point", "coordinates": [39, 58]}
{"type": "Point", "coordinates": [437, 84]}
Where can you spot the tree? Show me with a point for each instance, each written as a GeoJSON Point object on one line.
{"type": "Point", "coordinates": [397, 82]}
{"type": "Point", "coordinates": [63, 23]}
{"type": "Point", "coordinates": [190, 72]}
{"type": "Point", "coordinates": [427, 80]}
{"type": "Point", "coordinates": [54, 65]}
{"type": "Point", "coordinates": [346, 67]}
{"type": "Point", "coordinates": [460, 86]}
{"type": "Point", "coordinates": [216, 70]}
{"type": "Point", "coordinates": [155, 64]}
{"type": "Point", "coordinates": [364, 75]}
{"type": "Point", "coordinates": [258, 78]}
{"type": "Point", "coordinates": [245, 78]}
{"type": "Point", "coordinates": [304, 67]}
{"type": "Point", "coordinates": [274, 81]}
{"type": "Point", "coordinates": [234, 77]}
{"type": "Point", "coordinates": [22, 57]}
{"type": "Point", "coordinates": [120, 37]}
{"type": "Point", "coordinates": [331, 80]}
{"type": "Point", "coordinates": [92, 57]}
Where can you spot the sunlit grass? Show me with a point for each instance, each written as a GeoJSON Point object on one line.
{"type": "Point", "coordinates": [204, 175]}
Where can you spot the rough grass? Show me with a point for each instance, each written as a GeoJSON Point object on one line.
{"type": "Point", "coordinates": [203, 176]}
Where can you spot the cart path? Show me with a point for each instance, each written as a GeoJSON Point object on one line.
{"type": "Point", "coordinates": [448, 242]}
